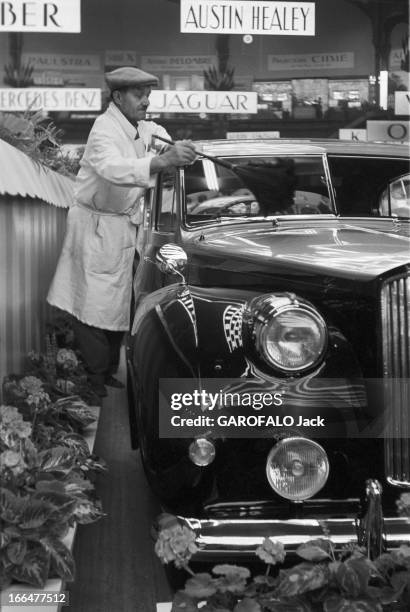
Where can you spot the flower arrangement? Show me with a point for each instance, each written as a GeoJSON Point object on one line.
{"type": "Point", "coordinates": [325, 581]}
{"type": "Point", "coordinates": [46, 470]}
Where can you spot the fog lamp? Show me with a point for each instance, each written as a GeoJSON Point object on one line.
{"type": "Point", "coordinates": [297, 468]}
{"type": "Point", "coordinates": [202, 452]}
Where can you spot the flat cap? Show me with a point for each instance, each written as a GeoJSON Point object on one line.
{"type": "Point", "coordinates": [129, 76]}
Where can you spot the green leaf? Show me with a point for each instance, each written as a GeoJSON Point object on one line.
{"type": "Point", "coordinates": [77, 443]}
{"type": "Point", "coordinates": [315, 550]}
{"type": "Point", "coordinates": [35, 514]}
{"type": "Point", "coordinates": [34, 569]}
{"type": "Point", "coordinates": [247, 605]}
{"type": "Point", "coordinates": [16, 551]}
{"type": "Point", "coordinates": [183, 603]}
{"type": "Point", "coordinates": [87, 512]}
{"type": "Point", "coordinates": [9, 506]}
{"type": "Point", "coordinates": [200, 586]}
{"type": "Point", "coordinates": [301, 579]}
{"type": "Point", "coordinates": [62, 561]}
{"type": "Point", "coordinates": [57, 459]}
{"type": "Point", "coordinates": [341, 604]}
{"type": "Point", "coordinates": [353, 576]}
{"type": "Point", "coordinates": [287, 605]}
{"type": "Point", "coordinates": [55, 486]}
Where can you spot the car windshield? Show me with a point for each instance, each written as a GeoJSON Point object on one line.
{"type": "Point", "coordinates": [256, 187]}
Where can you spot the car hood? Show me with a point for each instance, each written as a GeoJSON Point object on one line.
{"type": "Point", "coordinates": [328, 247]}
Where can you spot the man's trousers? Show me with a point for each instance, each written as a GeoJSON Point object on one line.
{"type": "Point", "coordinates": [100, 350]}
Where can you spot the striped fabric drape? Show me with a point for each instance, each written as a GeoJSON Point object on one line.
{"type": "Point", "coordinates": [31, 234]}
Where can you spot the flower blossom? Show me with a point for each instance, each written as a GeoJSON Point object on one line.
{"type": "Point", "coordinates": [271, 552]}
{"type": "Point", "coordinates": [12, 460]}
{"type": "Point", "coordinates": [403, 504]}
{"type": "Point", "coordinates": [176, 543]}
{"type": "Point", "coordinates": [12, 425]}
{"type": "Point", "coordinates": [31, 384]}
{"type": "Point", "coordinates": [67, 359]}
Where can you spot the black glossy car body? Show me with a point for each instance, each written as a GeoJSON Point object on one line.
{"type": "Point", "coordinates": [208, 320]}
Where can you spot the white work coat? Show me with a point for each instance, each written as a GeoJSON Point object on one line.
{"type": "Point", "coordinates": [93, 279]}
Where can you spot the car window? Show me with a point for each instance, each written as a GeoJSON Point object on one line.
{"type": "Point", "coordinates": [359, 181]}
{"type": "Point", "coordinates": [166, 199]}
{"type": "Point", "coordinates": [395, 199]}
{"type": "Point", "coordinates": [257, 186]}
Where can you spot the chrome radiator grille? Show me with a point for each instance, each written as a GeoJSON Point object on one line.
{"type": "Point", "coordinates": [395, 311]}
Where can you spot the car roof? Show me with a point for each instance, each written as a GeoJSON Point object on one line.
{"type": "Point", "coordinates": [281, 146]}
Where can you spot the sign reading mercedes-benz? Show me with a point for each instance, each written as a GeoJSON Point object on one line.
{"type": "Point", "coordinates": [247, 17]}
{"type": "Point", "coordinates": [40, 16]}
{"type": "Point", "coordinates": [50, 99]}
{"type": "Point", "coordinates": [236, 102]}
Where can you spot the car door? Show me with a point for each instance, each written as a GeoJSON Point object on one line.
{"type": "Point", "coordinates": [159, 227]}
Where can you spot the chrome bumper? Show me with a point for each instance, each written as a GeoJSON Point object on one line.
{"type": "Point", "coordinates": [239, 538]}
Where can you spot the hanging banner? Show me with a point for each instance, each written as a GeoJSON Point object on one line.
{"type": "Point", "coordinates": [252, 135]}
{"type": "Point", "coordinates": [247, 17]}
{"type": "Point", "coordinates": [57, 16]}
{"type": "Point", "coordinates": [84, 62]}
{"type": "Point", "coordinates": [353, 134]}
{"type": "Point", "coordinates": [311, 61]}
{"type": "Point", "coordinates": [402, 102]}
{"type": "Point", "coordinates": [392, 131]}
{"type": "Point", "coordinates": [50, 99]}
{"type": "Point", "coordinates": [121, 57]}
{"type": "Point", "coordinates": [177, 63]}
{"type": "Point", "coordinates": [234, 102]}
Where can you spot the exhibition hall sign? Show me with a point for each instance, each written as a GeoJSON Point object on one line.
{"type": "Point", "coordinates": [235, 102]}
{"type": "Point", "coordinates": [40, 16]}
{"type": "Point", "coordinates": [247, 17]}
{"type": "Point", "coordinates": [50, 99]}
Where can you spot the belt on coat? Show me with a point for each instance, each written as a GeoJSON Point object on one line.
{"type": "Point", "coordinates": [107, 214]}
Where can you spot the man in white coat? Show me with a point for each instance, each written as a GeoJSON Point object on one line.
{"type": "Point", "coordinates": [93, 279]}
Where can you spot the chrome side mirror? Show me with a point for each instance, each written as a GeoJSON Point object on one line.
{"type": "Point", "coordinates": [171, 259]}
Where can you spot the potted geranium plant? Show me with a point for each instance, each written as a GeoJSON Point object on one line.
{"type": "Point", "coordinates": [325, 580]}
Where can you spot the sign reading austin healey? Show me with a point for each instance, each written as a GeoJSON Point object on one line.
{"type": "Point", "coordinates": [40, 16]}
{"type": "Point", "coordinates": [50, 99]}
{"type": "Point", "coordinates": [248, 17]}
{"type": "Point", "coordinates": [164, 101]}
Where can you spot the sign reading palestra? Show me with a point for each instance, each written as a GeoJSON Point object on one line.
{"type": "Point", "coordinates": [247, 17]}
{"type": "Point", "coordinates": [235, 102]}
{"type": "Point", "coordinates": [40, 16]}
{"type": "Point", "coordinates": [63, 61]}
{"type": "Point", "coordinates": [50, 99]}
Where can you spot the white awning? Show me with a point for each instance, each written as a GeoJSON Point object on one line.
{"type": "Point", "coordinates": [20, 175]}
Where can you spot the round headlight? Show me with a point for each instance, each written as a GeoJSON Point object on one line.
{"type": "Point", "coordinates": [202, 452]}
{"type": "Point", "coordinates": [297, 468]}
{"type": "Point", "coordinates": [289, 334]}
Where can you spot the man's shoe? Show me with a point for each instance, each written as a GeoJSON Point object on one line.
{"type": "Point", "coordinates": [114, 382]}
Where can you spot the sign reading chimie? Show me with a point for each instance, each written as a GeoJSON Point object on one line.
{"type": "Point", "coordinates": [248, 17]}
{"type": "Point", "coordinates": [40, 16]}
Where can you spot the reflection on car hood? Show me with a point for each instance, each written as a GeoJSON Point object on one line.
{"type": "Point", "coordinates": [323, 247]}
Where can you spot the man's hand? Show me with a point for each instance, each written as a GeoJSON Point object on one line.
{"type": "Point", "coordinates": [181, 153]}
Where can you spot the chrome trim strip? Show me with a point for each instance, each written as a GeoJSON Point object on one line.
{"type": "Point", "coordinates": [395, 315]}
{"type": "Point", "coordinates": [222, 538]}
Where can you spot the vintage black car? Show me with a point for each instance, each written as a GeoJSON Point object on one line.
{"type": "Point", "coordinates": [253, 285]}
